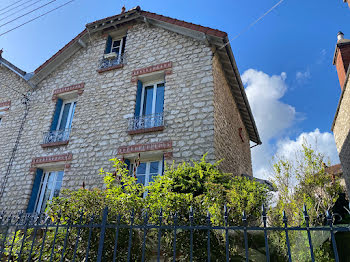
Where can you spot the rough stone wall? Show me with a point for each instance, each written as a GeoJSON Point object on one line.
{"type": "Point", "coordinates": [100, 122]}
{"type": "Point", "coordinates": [341, 132]}
{"type": "Point", "coordinates": [11, 119]}
{"type": "Point", "coordinates": [228, 142]}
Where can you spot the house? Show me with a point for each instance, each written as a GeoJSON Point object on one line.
{"type": "Point", "coordinates": [341, 122]}
{"type": "Point", "coordinates": [137, 85]}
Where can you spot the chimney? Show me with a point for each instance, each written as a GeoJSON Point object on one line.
{"type": "Point", "coordinates": [341, 57]}
{"type": "Point", "coordinates": [123, 10]}
{"type": "Point", "coordinates": [347, 1]}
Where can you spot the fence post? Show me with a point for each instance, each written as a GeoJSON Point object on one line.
{"type": "Point", "coordinates": [264, 218]}
{"type": "Point", "coordinates": [226, 234]}
{"type": "Point", "coordinates": [244, 219]}
{"type": "Point", "coordinates": [159, 233]}
{"type": "Point", "coordinates": [191, 234]}
{"type": "Point", "coordinates": [285, 221]}
{"type": "Point", "coordinates": [130, 234]}
{"type": "Point", "coordinates": [209, 231]}
{"type": "Point", "coordinates": [102, 236]}
{"type": "Point", "coordinates": [306, 217]}
{"type": "Point", "coordinates": [330, 223]}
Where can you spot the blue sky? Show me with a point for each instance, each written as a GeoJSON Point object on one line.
{"type": "Point", "coordinates": [287, 56]}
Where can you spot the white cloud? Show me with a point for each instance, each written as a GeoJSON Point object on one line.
{"type": "Point", "coordinates": [302, 76]}
{"type": "Point", "coordinates": [273, 118]}
{"type": "Point", "coordinates": [322, 142]}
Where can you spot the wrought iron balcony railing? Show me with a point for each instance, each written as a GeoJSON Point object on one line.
{"type": "Point", "coordinates": [147, 121]}
{"type": "Point", "coordinates": [114, 60]}
{"type": "Point", "coordinates": [56, 136]}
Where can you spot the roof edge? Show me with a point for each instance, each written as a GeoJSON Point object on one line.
{"type": "Point", "coordinates": [241, 87]}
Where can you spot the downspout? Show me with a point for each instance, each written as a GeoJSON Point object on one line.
{"type": "Point", "coordinates": [25, 101]}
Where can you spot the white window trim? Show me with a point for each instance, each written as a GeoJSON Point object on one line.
{"type": "Point", "coordinates": [155, 86]}
{"type": "Point", "coordinates": [69, 119]}
{"type": "Point", "coordinates": [120, 47]}
{"type": "Point", "coordinates": [41, 193]}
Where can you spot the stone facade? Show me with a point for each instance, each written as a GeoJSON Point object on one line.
{"type": "Point", "coordinates": [12, 112]}
{"type": "Point", "coordinates": [341, 130]}
{"type": "Point", "coordinates": [231, 140]}
{"type": "Point", "coordinates": [200, 113]}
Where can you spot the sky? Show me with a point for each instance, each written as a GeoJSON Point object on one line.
{"type": "Point", "coordinates": [285, 59]}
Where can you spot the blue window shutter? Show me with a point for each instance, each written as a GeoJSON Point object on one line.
{"type": "Point", "coordinates": [163, 167]}
{"type": "Point", "coordinates": [35, 190]}
{"type": "Point", "coordinates": [108, 45]}
{"type": "Point", "coordinates": [138, 98]}
{"type": "Point", "coordinates": [56, 115]}
{"type": "Point", "coordinates": [127, 162]}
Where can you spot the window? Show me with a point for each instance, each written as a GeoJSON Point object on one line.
{"type": "Point", "coordinates": [66, 115]}
{"type": "Point", "coordinates": [152, 99]}
{"type": "Point", "coordinates": [0, 120]}
{"type": "Point", "coordinates": [149, 106]}
{"type": "Point", "coordinates": [47, 185]}
{"type": "Point", "coordinates": [61, 122]}
{"type": "Point", "coordinates": [146, 172]}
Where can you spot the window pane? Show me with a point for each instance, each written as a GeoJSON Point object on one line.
{"type": "Point", "coordinates": [148, 99]}
{"type": "Point", "coordinates": [152, 177]}
{"type": "Point", "coordinates": [116, 43]}
{"type": "Point", "coordinates": [72, 114]}
{"type": "Point", "coordinates": [141, 169]}
{"type": "Point", "coordinates": [160, 98]}
{"type": "Point", "coordinates": [64, 116]}
{"type": "Point", "coordinates": [57, 189]}
{"type": "Point", "coordinates": [116, 50]}
{"type": "Point", "coordinates": [141, 179]}
{"type": "Point", "coordinates": [154, 167]}
{"type": "Point", "coordinates": [59, 176]}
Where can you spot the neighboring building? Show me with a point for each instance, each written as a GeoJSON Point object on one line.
{"type": "Point", "coordinates": [136, 85]}
{"type": "Point", "coordinates": [341, 122]}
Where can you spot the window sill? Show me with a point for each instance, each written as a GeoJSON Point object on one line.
{"type": "Point", "coordinates": [146, 130]}
{"type": "Point", "coordinates": [55, 144]}
{"type": "Point", "coordinates": [102, 70]}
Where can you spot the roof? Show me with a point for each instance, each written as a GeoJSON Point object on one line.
{"type": "Point", "coordinates": [15, 69]}
{"type": "Point", "coordinates": [334, 170]}
{"type": "Point", "coordinates": [208, 35]}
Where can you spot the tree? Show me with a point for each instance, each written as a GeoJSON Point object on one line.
{"type": "Point", "coordinates": [300, 181]}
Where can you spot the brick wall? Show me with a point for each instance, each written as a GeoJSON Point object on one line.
{"type": "Point", "coordinates": [342, 62]}
{"type": "Point", "coordinates": [230, 136]}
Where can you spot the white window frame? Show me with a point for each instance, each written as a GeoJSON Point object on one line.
{"type": "Point", "coordinates": [41, 192]}
{"type": "Point", "coordinates": [120, 47]}
{"type": "Point", "coordinates": [148, 169]}
{"type": "Point", "coordinates": [154, 99]}
{"type": "Point", "coordinates": [70, 116]}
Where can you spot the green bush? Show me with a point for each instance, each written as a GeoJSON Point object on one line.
{"type": "Point", "coordinates": [200, 185]}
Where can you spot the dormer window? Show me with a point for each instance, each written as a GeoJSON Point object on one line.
{"type": "Point", "coordinates": [114, 53]}
{"type": "Point", "coordinates": [117, 46]}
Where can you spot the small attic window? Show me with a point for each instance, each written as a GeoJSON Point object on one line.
{"type": "Point", "coordinates": [115, 46]}
{"type": "Point", "coordinates": [113, 57]}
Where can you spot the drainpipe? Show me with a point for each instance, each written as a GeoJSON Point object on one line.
{"type": "Point", "coordinates": [25, 101]}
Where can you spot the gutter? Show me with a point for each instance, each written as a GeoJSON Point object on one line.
{"type": "Point", "coordinates": [26, 77]}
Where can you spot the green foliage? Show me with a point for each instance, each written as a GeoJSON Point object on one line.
{"type": "Point", "coordinates": [303, 181]}
{"type": "Point", "coordinates": [199, 185]}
